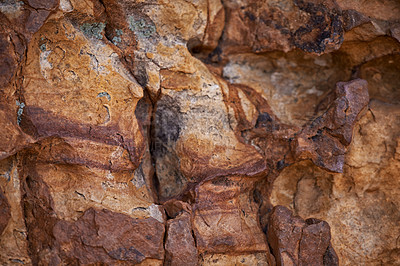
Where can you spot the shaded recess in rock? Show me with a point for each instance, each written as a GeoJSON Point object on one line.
{"type": "Point", "coordinates": [5, 212]}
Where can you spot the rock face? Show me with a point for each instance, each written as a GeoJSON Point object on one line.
{"type": "Point", "coordinates": [199, 132]}
{"type": "Point", "coordinates": [298, 242]}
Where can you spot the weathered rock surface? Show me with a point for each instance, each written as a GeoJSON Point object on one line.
{"type": "Point", "coordinates": [180, 246]}
{"type": "Point", "coordinates": [298, 242]}
{"type": "Point", "coordinates": [160, 132]}
{"type": "Point", "coordinates": [365, 196]}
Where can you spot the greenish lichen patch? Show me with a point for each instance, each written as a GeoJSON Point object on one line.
{"type": "Point", "coordinates": [93, 30]}
{"type": "Point", "coordinates": [20, 111]}
{"type": "Point", "coordinates": [117, 39]}
{"type": "Point", "coordinates": [104, 94]}
{"type": "Point", "coordinates": [140, 27]}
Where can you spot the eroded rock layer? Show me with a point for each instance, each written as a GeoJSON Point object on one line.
{"type": "Point", "coordinates": [199, 132]}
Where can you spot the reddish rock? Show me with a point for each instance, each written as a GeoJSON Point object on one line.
{"type": "Point", "coordinates": [174, 208]}
{"type": "Point", "coordinates": [324, 141]}
{"type": "Point", "coordinates": [88, 115]}
{"type": "Point", "coordinates": [364, 196]}
{"type": "Point", "coordinates": [5, 212]}
{"type": "Point", "coordinates": [298, 242]}
{"type": "Point", "coordinates": [226, 217]}
{"type": "Point", "coordinates": [254, 26]}
{"type": "Point", "coordinates": [12, 138]}
{"type": "Point", "coordinates": [218, 110]}
{"type": "Point", "coordinates": [107, 237]}
{"type": "Point", "coordinates": [180, 245]}
{"type": "Point", "coordinates": [46, 4]}
{"type": "Point", "coordinates": [13, 234]}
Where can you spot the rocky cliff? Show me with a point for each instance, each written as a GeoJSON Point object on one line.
{"type": "Point", "coordinates": [199, 132]}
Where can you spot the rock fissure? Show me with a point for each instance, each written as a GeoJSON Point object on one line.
{"type": "Point", "coordinates": [199, 133]}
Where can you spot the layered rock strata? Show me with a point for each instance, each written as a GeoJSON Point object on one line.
{"type": "Point", "coordinates": [199, 132]}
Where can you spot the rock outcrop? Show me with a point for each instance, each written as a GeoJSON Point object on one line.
{"type": "Point", "coordinates": [160, 132]}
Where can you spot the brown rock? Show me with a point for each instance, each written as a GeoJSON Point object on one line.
{"type": "Point", "coordinates": [5, 212]}
{"type": "Point", "coordinates": [26, 18]}
{"type": "Point", "coordinates": [56, 195]}
{"type": "Point", "coordinates": [382, 77]}
{"type": "Point", "coordinates": [292, 83]}
{"type": "Point", "coordinates": [226, 218]}
{"type": "Point", "coordinates": [324, 140]}
{"type": "Point", "coordinates": [253, 26]}
{"type": "Point", "coordinates": [12, 138]}
{"type": "Point", "coordinates": [218, 110]}
{"type": "Point", "coordinates": [107, 237]}
{"type": "Point", "coordinates": [185, 152]}
{"type": "Point", "coordinates": [298, 242]}
{"type": "Point", "coordinates": [173, 208]}
{"type": "Point", "coordinates": [365, 196]}
{"type": "Point", "coordinates": [261, 258]}
{"type": "Point", "coordinates": [215, 25]}
{"type": "Point", "coordinates": [373, 9]}
{"type": "Point", "coordinates": [47, 4]}
{"type": "Point", "coordinates": [13, 239]}
{"type": "Point", "coordinates": [93, 89]}
{"type": "Point", "coordinates": [180, 246]}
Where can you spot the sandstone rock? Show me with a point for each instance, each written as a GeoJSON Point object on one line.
{"type": "Point", "coordinates": [13, 239]}
{"type": "Point", "coordinates": [4, 211]}
{"type": "Point", "coordinates": [254, 26]}
{"type": "Point", "coordinates": [107, 237]}
{"type": "Point", "coordinates": [180, 246]}
{"type": "Point", "coordinates": [298, 242]}
{"type": "Point", "coordinates": [382, 77]}
{"type": "Point", "coordinates": [293, 83]}
{"type": "Point", "coordinates": [325, 139]}
{"type": "Point", "coordinates": [225, 217]}
{"type": "Point", "coordinates": [363, 197]}
{"type": "Point", "coordinates": [92, 91]}
{"type": "Point", "coordinates": [12, 138]}
{"type": "Point", "coordinates": [244, 259]}
{"type": "Point", "coordinates": [159, 132]}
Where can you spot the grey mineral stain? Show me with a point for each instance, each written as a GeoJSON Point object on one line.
{"type": "Point", "coordinates": [104, 94]}
{"type": "Point", "coordinates": [42, 47]}
{"type": "Point", "coordinates": [20, 111]}
{"type": "Point", "coordinates": [93, 30]}
{"type": "Point", "coordinates": [140, 27]}
{"type": "Point", "coordinates": [117, 39]}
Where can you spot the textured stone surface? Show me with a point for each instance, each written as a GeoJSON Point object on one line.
{"type": "Point", "coordinates": [364, 196]}
{"type": "Point", "coordinates": [298, 242]}
{"type": "Point", "coordinates": [259, 26]}
{"type": "Point", "coordinates": [13, 240]}
{"type": "Point", "coordinates": [160, 132]}
{"type": "Point", "coordinates": [5, 212]}
{"type": "Point", "coordinates": [180, 245]}
{"type": "Point", "coordinates": [107, 237]}
{"type": "Point", "coordinates": [226, 218]}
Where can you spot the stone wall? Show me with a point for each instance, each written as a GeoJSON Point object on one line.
{"type": "Point", "coordinates": [199, 132]}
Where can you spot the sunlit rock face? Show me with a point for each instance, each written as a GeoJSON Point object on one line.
{"type": "Point", "coordinates": [159, 132]}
